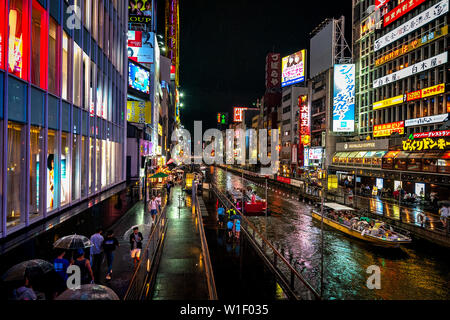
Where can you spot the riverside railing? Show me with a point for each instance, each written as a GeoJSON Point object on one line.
{"type": "Point", "coordinates": [212, 293]}
{"type": "Point", "coordinates": [139, 284]}
{"type": "Point", "coordinates": [294, 283]}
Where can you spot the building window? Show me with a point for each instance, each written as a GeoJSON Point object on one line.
{"type": "Point", "coordinates": [87, 14]}
{"type": "Point", "coordinates": [83, 165]}
{"type": "Point", "coordinates": [65, 67]}
{"type": "Point", "coordinates": [86, 80]}
{"type": "Point", "coordinates": [18, 38]}
{"type": "Point", "coordinates": [76, 159]}
{"type": "Point", "coordinates": [39, 46]}
{"type": "Point", "coordinates": [2, 41]}
{"type": "Point", "coordinates": [91, 164]}
{"type": "Point", "coordinates": [65, 168]}
{"type": "Point", "coordinates": [37, 136]}
{"type": "Point", "coordinates": [94, 19]}
{"type": "Point", "coordinates": [52, 170]}
{"type": "Point", "coordinates": [16, 182]}
{"type": "Point", "coordinates": [77, 75]}
{"type": "Point", "coordinates": [53, 57]}
{"type": "Point", "coordinates": [100, 23]}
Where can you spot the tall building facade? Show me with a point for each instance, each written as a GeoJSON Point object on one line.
{"type": "Point", "coordinates": [63, 92]}
{"type": "Point", "coordinates": [402, 100]}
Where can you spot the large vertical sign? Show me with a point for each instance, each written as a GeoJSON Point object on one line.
{"type": "Point", "coordinates": [304, 126]}
{"type": "Point", "coordinates": [273, 71]}
{"type": "Point", "coordinates": [293, 68]}
{"type": "Point", "coordinates": [237, 114]}
{"type": "Point", "coordinates": [344, 98]}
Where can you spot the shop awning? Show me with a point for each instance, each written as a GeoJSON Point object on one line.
{"type": "Point", "coordinates": [352, 154]}
{"type": "Point", "coordinates": [369, 154]}
{"type": "Point", "coordinates": [446, 155]}
{"type": "Point", "coordinates": [402, 155]}
{"type": "Point", "coordinates": [361, 154]}
{"type": "Point", "coordinates": [379, 154]}
{"type": "Point", "coordinates": [391, 154]}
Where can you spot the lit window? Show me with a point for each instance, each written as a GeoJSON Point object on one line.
{"type": "Point", "coordinates": [39, 45]}
{"type": "Point", "coordinates": [18, 39]}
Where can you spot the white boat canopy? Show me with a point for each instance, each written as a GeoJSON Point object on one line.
{"type": "Point", "coordinates": [337, 206]}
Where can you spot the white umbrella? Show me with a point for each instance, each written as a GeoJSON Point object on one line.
{"type": "Point", "coordinates": [145, 229]}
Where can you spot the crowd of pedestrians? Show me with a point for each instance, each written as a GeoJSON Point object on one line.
{"type": "Point", "coordinates": [233, 221]}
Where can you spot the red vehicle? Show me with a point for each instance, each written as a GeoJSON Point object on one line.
{"type": "Point", "coordinates": [253, 205]}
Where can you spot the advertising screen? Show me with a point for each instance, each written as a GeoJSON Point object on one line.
{"type": "Point", "coordinates": [293, 68]}
{"type": "Point", "coordinates": [140, 46]}
{"type": "Point", "coordinates": [139, 111]}
{"type": "Point", "coordinates": [140, 11]}
{"type": "Point", "coordinates": [344, 98]}
{"type": "Point", "coordinates": [138, 78]}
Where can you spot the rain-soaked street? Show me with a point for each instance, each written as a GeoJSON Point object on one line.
{"type": "Point", "coordinates": [418, 271]}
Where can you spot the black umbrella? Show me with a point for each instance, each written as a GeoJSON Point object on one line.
{"type": "Point", "coordinates": [89, 292]}
{"type": "Point", "coordinates": [73, 242]}
{"type": "Point", "coordinates": [31, 269]}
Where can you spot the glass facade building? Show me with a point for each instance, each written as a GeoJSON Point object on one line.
{"type": "Point", "coordinates": [62, 105]}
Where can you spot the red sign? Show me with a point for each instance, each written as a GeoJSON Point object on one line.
{"type": "Point", "coordinates": [273, 71]}
{"type": "Point", "coordinates": [284, 180]}
{"type": "Point", "coordinates": [305, 132]}
{"type": "Point", "coordinates": [430, 91]}
{"type": "Point", "coordinates": [433, 134]}
{"type": "Point", "coordinates": [237, 114]}
{"type": "Point", "coordinates": [400, 10]}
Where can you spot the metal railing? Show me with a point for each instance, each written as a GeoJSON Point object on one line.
{"type": "Point", "coordinates": [291, 280]}
{"type": "Point", "coordinates": [138, 283]}
{"type": "Point", "coordinates": [212, 293]}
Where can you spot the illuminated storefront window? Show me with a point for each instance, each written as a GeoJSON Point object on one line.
{"type": "Point", "coordinates": [39, 45]}
{"type": "Point", "coordinates": [37, 135]}
{"type": "Point", "coordinates": [86, 80]}
{"type": "Point", "coordinates": [18, 38]}
{"type": "Point", "coordinates": [52, 163]}
{"type": "Point", "coordinates": [65, 155]}
{"type": "Point", "coordinates": [2, 41]}
{"type": "Point", "coordinates": [104, 164]}
{"type": "Point", "coordinates": [65, 67]}
{"type": "Point", "coordinates": [15, 170]}
{"type": "Point", "coordinates": [91, 164]}
{"type": "Point", "coordinates": [76, 159]}
{"type": "Point", "coordinates": [99, 171]}
{"type": "Point", "coordinates": [53, 54]}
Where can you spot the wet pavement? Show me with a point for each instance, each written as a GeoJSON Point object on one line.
{"type": "Point", "coordinates": [181, 274]}
{"type": "Point", "coordinates": [418, 271]}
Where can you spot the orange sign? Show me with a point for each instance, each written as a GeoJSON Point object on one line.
{"type": "Point", "coordinates": [383, 130]}
{"type": "Point", "coordinates": [427, 92]}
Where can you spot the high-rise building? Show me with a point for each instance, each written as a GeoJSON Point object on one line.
{"type": "Point", "coordinates": [62, 106]}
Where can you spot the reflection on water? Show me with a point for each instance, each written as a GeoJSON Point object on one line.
{"type": "Point", "coordinates": [419, 271]}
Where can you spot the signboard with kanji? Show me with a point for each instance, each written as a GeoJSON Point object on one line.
{"type": "Point", "coordinates": [384, 130]}
{"type": "Point", "coordinates": [273, 71]}
{"type": "Point", "coordinates": [414, 145]}
{"type": "Point", "coordinates": [237, 114]}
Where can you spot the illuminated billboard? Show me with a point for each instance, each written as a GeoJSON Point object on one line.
{"type": "Point", "coordinates": [415, 23]}
{"type": "Point", "coordinates": [293, 68]}
{"type": "Point", "coordinates": [237, 114]}
{"type": "Point", "coordinates": [140, 11]}
{"type": "Point", "coordinates": [344, 98]}
{"type": "Point", "coordinates": [304, 119]}
{"type": "Point", "coordinates": [385, 130]}
{"type": "Point", "coordinates": [139, 111]}
{"type": "Point", "coordinates": [138, 78]}
{"type": "Point", "coordinates": [388, 102]}
{"type": "Point", "coordinates": [400, 10]}
{"type": "Point", "coordinates": [140, 46]}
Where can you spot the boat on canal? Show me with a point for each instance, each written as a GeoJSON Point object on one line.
{"type": "Point", "coordinates": [366, 229]}
{"type": "Point", "coordinates": [254, 205]}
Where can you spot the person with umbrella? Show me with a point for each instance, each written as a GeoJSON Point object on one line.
{"type": "Point", "coordinates": [25, 292]}
{"type": "Point", "coordinates": [60, 264]}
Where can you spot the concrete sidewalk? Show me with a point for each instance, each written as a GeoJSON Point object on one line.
{"type": "Point", "coordinates": [181, 274]}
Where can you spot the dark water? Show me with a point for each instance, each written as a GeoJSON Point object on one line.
{"type": "Point", "coordinates": [419, 271]}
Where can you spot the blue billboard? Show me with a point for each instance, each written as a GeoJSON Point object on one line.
{"type": "Point", "coordinates": [138, 78]}
{"type": "Point", "coordinates": [344, 98]}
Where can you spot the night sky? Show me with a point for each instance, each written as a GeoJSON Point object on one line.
{"type": "Point", "coordinates": [224, 46]}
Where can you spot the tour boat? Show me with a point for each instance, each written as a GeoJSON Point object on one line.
{"type": "Point", "coordinates": [395, 242]}
{"type": "Point", "coordinates": [253, 204]}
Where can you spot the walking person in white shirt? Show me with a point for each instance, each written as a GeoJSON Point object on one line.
{"type": "Point", "coordinates": [97, 253]}
{"type": "Point", "coordinates": [158, 200]}
{"type": "Point", "coordinates": [153, 204]}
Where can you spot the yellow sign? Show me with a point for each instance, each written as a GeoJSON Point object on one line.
{"type": "Point", "coordinates": [411, 46]}
{"type": "Point", "coordinates": [160, 130]}
{"type": "Point", "coordinates": [426, 144]}
{"type": "Point", "coordinates": [332, 182]}
{"type": "Point", "coordinates": [384, 130]}
{"type": "Point", "coordinates": [388, 102]}
{"type": "Point", "coordinates": [139, 111]}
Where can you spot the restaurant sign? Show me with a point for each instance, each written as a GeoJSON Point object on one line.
{"type": "Point", "coordinates": [426, 144]}
{"type": "Point", "coordinates": [432, 134]}
{"type": "Point", "coordinates": [384, 130]}
{"type": "Point", "coordinates": [427, 120]}
{"type": "Point", "coordinates": [378, 145]}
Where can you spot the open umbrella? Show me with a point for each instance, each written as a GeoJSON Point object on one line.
{"type": "Point", "coordinates": [145, 229]}
{"type": "Point", "coordinates": [73, 242]}
{"type": "Point", "coordinates": [159, 175]}
{"type": "Point", "coordinates": [89, 292]}
{"type": "Point", "coordinates": [30, 268]}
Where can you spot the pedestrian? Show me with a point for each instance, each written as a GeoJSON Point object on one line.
{"type": "Point", "coordinates": [153, 208]}
{"type": "Point", "coordinates": [61, 264]}
{"type": "Point", "coordinates": [25, 291]}
{"type": "Point", "coordinates": [168, 187]}
{"type": "Point", "coordinates": [86, 273]}
{"type": "Point", "coordinates": [109, 245]}
{"type": "Point", "coordinates": [136, 245]}
{"type": "Point", "coordinates": [421, 218]}
{"type": "Point", "coordinates": [443, 212]}
{"type": "Point", "coordinates": [230, 226]}
{"type": "Point", "coordinates": [237, 228]}
{"type": "Point", "coordinates": [97, 253]}
{"type": "Point", "coordinates": [221, 214]}
{"type": "Point", "coordinates": [158, 200]}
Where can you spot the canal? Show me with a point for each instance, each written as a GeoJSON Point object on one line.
{"type": "Point", "coordinates": [419, 271]}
